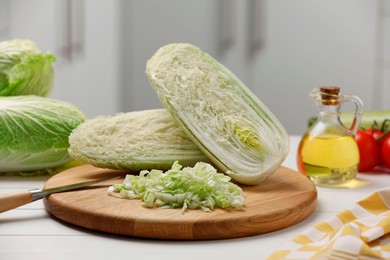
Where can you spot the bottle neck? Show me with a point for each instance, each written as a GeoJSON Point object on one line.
{"type": "Point", "coordinates": [328, 121]}
{"type": "Point", "coordinates": [329, 111]}
{"type": "Point", "coordinates": [329, 116]}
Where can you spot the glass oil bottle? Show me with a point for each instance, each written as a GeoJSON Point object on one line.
{"type": "Point", "coordinates": [328, 153]}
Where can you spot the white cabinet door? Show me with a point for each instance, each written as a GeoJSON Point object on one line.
{"type": "Point", "coordinates": [314, 43]}
{"type": "Point", "coordinates": [89, 77]}
{"type": "Point", "coordinates": [381, 98]}
{"type": "Point", "coordinates": [24, 23]}
{"type": "Point", "coordinates": [150, 24]}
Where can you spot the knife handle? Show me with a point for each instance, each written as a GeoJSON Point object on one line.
{"type": "Point", "coordinates": [14, 199]}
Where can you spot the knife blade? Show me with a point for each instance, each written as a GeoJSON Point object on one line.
{"type": "Point", "coordinates": [13, 200]}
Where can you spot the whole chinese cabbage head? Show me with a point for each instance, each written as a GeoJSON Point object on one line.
{"type": "Point", "coordinates": [24, 69]}
{"type": "Point", "coordinates": [34, 132]}
{"type": "Point", "coordinates": [137, 140]}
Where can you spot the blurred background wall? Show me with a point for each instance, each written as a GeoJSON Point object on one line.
{"type": "Point", "coordinates": [280, 49]}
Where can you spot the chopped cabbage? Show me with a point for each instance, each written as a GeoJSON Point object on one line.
{"type": "Point", "coordinates": [34, 133]}
{"type": "Point", "coordinates": [24, 69]}
{"type": "Point", "coordinates": [221, 115]}
{"type": "Point", "coordinates": [189, 188]}
{"type": "Point", "coordinates": [136, 140]}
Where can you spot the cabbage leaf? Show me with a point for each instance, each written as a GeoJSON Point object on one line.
{"type": "Point", "coordinates": [24, 69]}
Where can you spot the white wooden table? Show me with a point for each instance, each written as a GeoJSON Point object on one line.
{"type": "Point", "coordinates": [29, 232]}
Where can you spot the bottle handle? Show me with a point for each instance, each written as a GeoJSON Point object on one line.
{"type": "Point", "coordinates": [358, 111]}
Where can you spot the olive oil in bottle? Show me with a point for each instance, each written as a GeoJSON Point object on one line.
{"type": "Point", "coordinates": [328, 159]}
{"type": "Point", "coordinates": [328, 153]}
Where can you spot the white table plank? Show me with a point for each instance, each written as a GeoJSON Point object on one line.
{"type": "Point", "coordinates": [97, 247]}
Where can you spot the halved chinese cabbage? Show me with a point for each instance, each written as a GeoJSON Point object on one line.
{"type": "Point", "coordinates": [220, 114]}
{"type": "Point", "coordinates": [148, 139]}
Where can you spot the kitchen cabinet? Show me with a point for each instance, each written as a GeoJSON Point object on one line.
{"type": "Point", "coordinates": [280, 49]}
{"type": "Point", "coordinates": [150, 24]}
{"type": "Point", "coordinates": [313, 43]}
{"type": "Point", "coordinates": [381, 97]}
{"type": "Point", "coordinates": [84, 37]}
{"type": "Point", "coordinates": [217, 27]}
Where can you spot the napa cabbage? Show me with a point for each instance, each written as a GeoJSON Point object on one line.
{"type": "Point", "coordinates": [134, 141]}
{"type": "Point", "coordinates": [218, 112]}
{"type": "Point", "coordinates": [34, 133]}
{"type": "Point", "coordinates": [24, 69]}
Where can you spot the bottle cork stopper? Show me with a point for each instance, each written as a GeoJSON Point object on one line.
{"type": "Point", "coordinates": [330, 95]}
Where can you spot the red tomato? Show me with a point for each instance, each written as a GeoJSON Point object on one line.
{"type": "Point", "coordinates": [376, 134]}
{"type": "Point", "coordinates": [385, 152]}
{"type": "Point", "coordinates": [370, 154]}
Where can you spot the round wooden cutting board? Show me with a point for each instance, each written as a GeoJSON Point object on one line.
{"type": "Point", "coordinates": [284, 199]}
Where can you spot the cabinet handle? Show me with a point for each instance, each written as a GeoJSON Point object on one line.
{"type": "Point", "coordinates": [73, 29]}
{"type": "Point", "coordinates": [67, 30]}
{"type": "Point", "coordinates": [227, 24]}
{"type": "Point", "coordinates": [257, 21]}
{"type": "Point", "coordinates": [79, 27]}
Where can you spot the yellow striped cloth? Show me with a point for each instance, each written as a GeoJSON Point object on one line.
{"type": "Point", "coordinates": [362, 232]}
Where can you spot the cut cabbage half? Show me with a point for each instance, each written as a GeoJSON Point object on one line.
{"type": "Point", "coordinates": [220, 114]}
{"type": "Point", "coordinates": [148, 139]}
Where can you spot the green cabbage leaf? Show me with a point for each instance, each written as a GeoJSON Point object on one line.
{"type": "Point", "coordinates": [24, 69]}
{"type": "Point", "coordinates": [34, 133]}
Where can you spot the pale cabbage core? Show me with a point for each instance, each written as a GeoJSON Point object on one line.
{"type": "Point", "coordinates": [218, 111]}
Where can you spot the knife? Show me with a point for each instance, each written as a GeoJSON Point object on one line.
{"type": "Point", "coordinates": [13, 200]}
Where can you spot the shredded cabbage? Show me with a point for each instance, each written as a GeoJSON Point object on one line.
{"type": "Point", "coordinates": [195, 187]}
